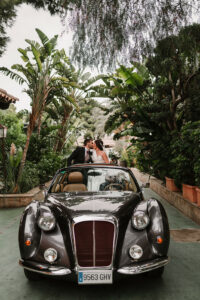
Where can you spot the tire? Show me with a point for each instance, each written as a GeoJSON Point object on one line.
{"type": "Point", "coordinates": [32, 276]}
{"type": "Point", "coordinates": [157, 273]}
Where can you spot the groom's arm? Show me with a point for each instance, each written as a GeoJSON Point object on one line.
{"type": "Point", "coordinates": [72, 156]}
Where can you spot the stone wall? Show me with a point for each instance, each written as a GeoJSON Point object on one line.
{"type": "Point", "coordinates": [20, 200]}
{"type": "Point", "coordinates": [15, 200]}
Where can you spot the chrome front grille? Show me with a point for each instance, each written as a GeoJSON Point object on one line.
{"type": "Point", "coordinates": [94, 242]}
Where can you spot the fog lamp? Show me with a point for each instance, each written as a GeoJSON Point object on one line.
{"type": "Point", "coordinates": [50, 255]}
{"type": "Point", "coordinates": [135, 252]}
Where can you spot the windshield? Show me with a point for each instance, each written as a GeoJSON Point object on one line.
{"type": "Point", "coordinates": [93, 180]}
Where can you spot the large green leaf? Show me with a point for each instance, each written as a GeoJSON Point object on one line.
{"type": "Point", "coordinates": [36, 54]}
{"type": "Point", "coordinates": [44, 39]}
{"type": "Point", "coordinates": [129, 76]}
{"type": "Point", "coordinates": [12, 75]}
{"type": "Point", "coordinates": [24, 54]}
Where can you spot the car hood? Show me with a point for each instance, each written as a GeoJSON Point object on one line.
{"type": "Point", "coordinates": [115, 203]}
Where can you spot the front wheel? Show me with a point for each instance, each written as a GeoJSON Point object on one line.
{"type": "Point", "coordinates": [156, 273]}
{"type": "Point", "coordinates": [32, 276]}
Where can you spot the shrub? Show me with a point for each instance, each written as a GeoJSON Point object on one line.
{"type": "Point", "coordinates": [30, 177]}
{"type": "Point", "coordinates": [128, 156]}
{"type": "Point", "coordinates": [154, 157]}
{"type": "Point", "coordinates": [48, 165]}
{"type": "Point", "coordinates": [197, 172]}
{"type": "Point", "coordinates": [186, 152]}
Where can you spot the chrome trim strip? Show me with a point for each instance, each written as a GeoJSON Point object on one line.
{"type": "Point", "coordinates": [79, 268]}
{"type": "Point", "coordinates": [94, 243]}
{"type": "Point", "coordinates": [52, 271]}
{"type": "Point", "coordinates": [99, 217]}
{"type": "Point", "coordinates": [72, 238]}
{"type": "Point", "coordinates": [143, 267]}
{"type": "Point", "coordinates": [90, 217]}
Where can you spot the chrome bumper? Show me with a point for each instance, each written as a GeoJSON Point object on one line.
{"type": "Point", "coordinates": [126, 270]}
{"type": "Point", "coordinates": [44, 269]}
{"type": "Point", "coordinates": [143, 267]}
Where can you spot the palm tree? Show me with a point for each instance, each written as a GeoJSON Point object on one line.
{"type": "Point", "coordinates": [64, 113]}
{"type": "Point", "coordinates": [124, 91]}
{"type": "Point", "coordinates": [60, 112]}
{"type": "Point", "coordinates": [42, 81]}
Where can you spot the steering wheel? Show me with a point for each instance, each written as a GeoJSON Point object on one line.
{"type": "Point", "coordinates": [114, 187]}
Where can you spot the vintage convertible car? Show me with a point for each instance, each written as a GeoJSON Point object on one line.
{"type": "Point", "coordinates": [93, 227]}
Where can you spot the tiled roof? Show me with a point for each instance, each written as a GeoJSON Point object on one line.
{"type": "Point", "coordinates": [6, 99]}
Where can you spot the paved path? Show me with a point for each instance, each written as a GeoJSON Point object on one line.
{"type": "Point", "coordinates": [181, 279]}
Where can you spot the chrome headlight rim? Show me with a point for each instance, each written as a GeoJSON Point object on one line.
{"type": "Point", "coordinates": [47, 218]}
{"type": "Point", "coordinates": [139, 216]}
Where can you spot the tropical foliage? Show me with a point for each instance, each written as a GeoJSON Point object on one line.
{"type": "Point", "coordinates": [154, 103]}
{"type": "Point", "coordinates": [60, 109]}
{"type": "Point", "coordinates": [42, 73]}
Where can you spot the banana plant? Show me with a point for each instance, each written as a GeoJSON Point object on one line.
{"type": "Point", "coordinates": [40, 76]}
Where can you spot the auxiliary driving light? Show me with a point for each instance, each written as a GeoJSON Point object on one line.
{"type": "Point", "coordinates": [50, 255]}
{"type": "Point", "coordinates": [135, 252]}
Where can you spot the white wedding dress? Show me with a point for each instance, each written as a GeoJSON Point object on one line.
{"type": "Point", "coordinates": [97, 159]}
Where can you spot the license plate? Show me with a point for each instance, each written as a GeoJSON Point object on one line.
{"type": "Point", "coordinates": [95, 277]}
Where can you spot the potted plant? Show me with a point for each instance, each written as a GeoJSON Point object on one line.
{"type": "Point", "coordinates": [170, 184]}
{"type": "Point", "coordinates": [169, 178]}
{"type": "Point", "coordinates": [184, 153]}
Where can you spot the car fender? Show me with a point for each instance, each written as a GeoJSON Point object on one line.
{"type": "Point", "coordinates": [40, 240]}
{"type": "Point", "coordinates": [147, 238]}
{"type": "Point", "coordinates": [28, 229]}
{"type": "Point", "coordinates": [159, 227]}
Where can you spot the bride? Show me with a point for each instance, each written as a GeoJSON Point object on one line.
{"type": "Point", "coordinates": [99, 156]}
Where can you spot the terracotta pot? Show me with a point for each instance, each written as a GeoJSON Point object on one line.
{"type": "Point", "coordinates": [189, 192]}
{"type": "Point", "coordinates": [170, 185]}
{"type": "Point", "coordinates": [198, 196]}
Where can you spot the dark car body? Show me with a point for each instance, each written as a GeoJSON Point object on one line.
{"type": "Point", "coordinates": [94, 238]}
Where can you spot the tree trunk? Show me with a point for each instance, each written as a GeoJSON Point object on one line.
{"type": "Point", "coordinates": [62, 133]}
{"type": "Point", "coordinates": [22, 164]}
{"type": "Point", "coordinates": [172, 106]}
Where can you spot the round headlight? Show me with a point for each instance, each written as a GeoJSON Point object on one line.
{"type": "Point", "coordinates": [46, 222]}
{"type": "Point", "coordinates": [140, 220]}
{"type": "Point", "coordinates": [50, 255]}
{"type": "Point", "coordinates": [135, 252]}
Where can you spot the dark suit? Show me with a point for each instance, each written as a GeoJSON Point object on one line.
{"type": "Point", "coordinates": [78, 156]}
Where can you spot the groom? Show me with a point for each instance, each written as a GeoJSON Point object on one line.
{"type": "Point", "coordinates": [81, 154]}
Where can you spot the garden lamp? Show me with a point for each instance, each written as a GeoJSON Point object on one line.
{"type": "Point", "coordinates": [3, 131]}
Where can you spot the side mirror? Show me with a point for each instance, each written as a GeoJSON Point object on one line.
{"type": "Point", "coordinates": [44, 189]}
